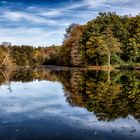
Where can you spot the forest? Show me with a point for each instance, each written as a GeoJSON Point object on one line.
{"type": "Point", "coordinates": [108, 40]}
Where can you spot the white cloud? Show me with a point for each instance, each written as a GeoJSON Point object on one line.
{"type": "Point", "coordinates": [30, 22]}
{"type": "Point", "coordinates": [17, 16]}
{"type": "Point", "coordinates": [51, 13]}
{"type": "Point", "coordinates": [112, 3]}
{"type": "Point", "coordinates": [31, 36]}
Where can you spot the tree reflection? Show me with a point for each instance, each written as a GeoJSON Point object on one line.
{"type": "Point", "coordinates": [108, 100]}
{"type": "Point", "coordinates": [111, 100]}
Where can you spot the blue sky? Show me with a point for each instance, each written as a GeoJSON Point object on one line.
{"type": "Point", "coordinates": [43, 22]}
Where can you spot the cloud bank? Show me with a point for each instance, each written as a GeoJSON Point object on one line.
{"type": "Point", "coordinates": [43, 23]}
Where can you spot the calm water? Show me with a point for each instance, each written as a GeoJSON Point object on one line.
{"type": "Point", "coordinates": [45, 104]}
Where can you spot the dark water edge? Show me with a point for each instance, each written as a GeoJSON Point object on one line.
{"type": "Point", "coordinates": [53, 104]}
{"type": "Point", "coordinates": [53, 129]}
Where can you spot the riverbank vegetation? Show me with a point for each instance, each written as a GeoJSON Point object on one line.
{"type": "Point", "coordinates": [108, 40]}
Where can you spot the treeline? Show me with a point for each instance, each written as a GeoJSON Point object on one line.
{"type": "Point", "coordinates": [109, 39]}
{"type": "Point", "coordinates": [26, 55]}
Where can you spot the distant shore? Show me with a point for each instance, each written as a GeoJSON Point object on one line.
{"type": "Point", "coordinates": [56, 67]}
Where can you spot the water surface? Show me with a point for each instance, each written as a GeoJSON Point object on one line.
{"type": "Point", "coordinates": [41, 104]}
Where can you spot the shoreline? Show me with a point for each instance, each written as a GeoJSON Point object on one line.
{"type": "Point", "coordinates": [56, 67]}
{"type": "Point", "coordinates": [128, 67]}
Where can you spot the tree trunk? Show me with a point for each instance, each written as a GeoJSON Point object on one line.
{"type": "Point", "coordinates": [109, 76]}
{"type": "Point", "coordinates": [109, 59]}
{"type": "Point", "coordinates": [109, 54]}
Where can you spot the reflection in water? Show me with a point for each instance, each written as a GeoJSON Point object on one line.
{"type": "Point", "coordinates": [69, 104]}
{"type": "Point", "coordinates": [109, 100]}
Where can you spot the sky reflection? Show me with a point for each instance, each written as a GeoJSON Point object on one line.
{"type": "Point", "coordinates": [44, 100]}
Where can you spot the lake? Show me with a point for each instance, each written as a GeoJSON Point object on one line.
{"type": "Point", "coordinates": [69, 104]}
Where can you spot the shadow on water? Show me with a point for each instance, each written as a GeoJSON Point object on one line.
{"type": "Point", "coordinates": [94, 104]}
